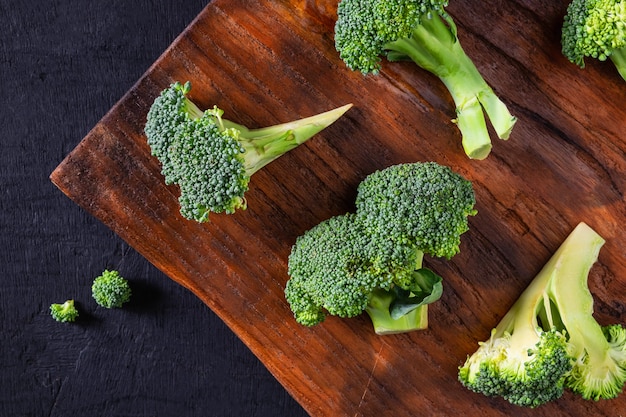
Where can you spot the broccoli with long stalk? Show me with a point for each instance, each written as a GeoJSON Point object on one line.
{"type": "Point", "coordinates": [422, 31]}
{"type": "Point", "coordinates": [212, 158]}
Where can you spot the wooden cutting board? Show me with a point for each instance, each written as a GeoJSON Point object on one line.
{"type": "Point", "coordinates": [274, 61]}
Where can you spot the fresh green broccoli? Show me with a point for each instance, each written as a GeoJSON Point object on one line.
{"type": "Point", "coordinates": [549, 339]}
{"type": "Point", "coordinates": [65, 312]}
{"type": "Point", "coordinates": [211, 158]}
{"type": "Point", "coordinates": [352, 263]}
{"type": "Point", "coordinates": [596, 29]}
{"type": "Point", "coordinates": [110, 290]}
{"type": "Point", "coordinates": [423, 32]}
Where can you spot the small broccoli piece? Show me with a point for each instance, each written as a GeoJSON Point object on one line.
{"type": "Point", "coordinates": [549, 339]}
{"type": "Point", "coordinates": [372, 260]}
{"type": "Point", "coordinates": [423, 32]}
{"type": "Point", "coordinates": [65, 312]}
{"type": "Point", "coordinates": [110, 290]}
{"type": "Point", "coordinates": [211, 158]}
{"type": "Point", "coordinates": [595, 29]}
{"type": "Point", "coordinates": [337, 268]}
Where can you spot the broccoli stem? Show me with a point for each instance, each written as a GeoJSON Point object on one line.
{"type": "Point", "coordinates": [266, 144]}
{"type": "Point", "coordinates": [378, 311]}
{"type": "Point", "coordinates": [263, 145]}
{"type": "Point", "coordinates": [192, 109]}
{"type": "Point", "coordinates": [618, 57]}
{"type": "Point", "coordinates": [586, 336]}
{"type": "Point", "coordinates": [433, 45]}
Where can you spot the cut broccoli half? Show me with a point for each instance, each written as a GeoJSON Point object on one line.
{"type": "Point", "coordinates": [549, 339]}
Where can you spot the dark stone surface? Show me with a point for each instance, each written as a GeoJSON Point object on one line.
{"type": "Point", "coordinates": [63, 64]}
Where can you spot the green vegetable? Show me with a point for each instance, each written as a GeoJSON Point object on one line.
{"type": "Point", "coordinates": [110, 290]}
{"type": "Point", "coordinates": [549, 339]}
{"type": "Point", "coordinates": [371, 261]}
{"type": "Point", "coordinates": [423, 32]}
{"type": "Point", "coordinates": [65, 312]}
{"type": "Point", "coordinates": [595, 29]}
{"type": "Point", "coordinates": [211, 158]}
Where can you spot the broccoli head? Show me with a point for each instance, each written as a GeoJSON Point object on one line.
{"type": "Point", "coordinates": [549, 339]}
{"type": "Point", "coordinates": [210, 158]}
{"type": "Point", "coordinates": [422, 205]}
{"type": "Point", "coordinates": [595, 29]}
{"type": "Point", "coordinates": [110, 290]}
{"type": "Point", "coordinates": [423, 32]}
{"type": "Point", "coordinates": [337, 268]}
{"type": "Point", "coordinates": [65, 312]}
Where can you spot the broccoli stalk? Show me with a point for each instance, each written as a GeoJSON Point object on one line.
{"type": "Point", "coordinates": [595, 29]}
{"type": "Point", "coordinates": [378, 310]}
{"type": "Point", "coordinates": [434, 46]}
{"type": "Point", "coordinates": [599, 352]}
{"type": "Point", "coordinates": [263, 145]}
{"type": "Point", "coordinates": [618, 57]}
{"type": "Point", "coordinates": [549, 340]}
{"type": "Point", "coordinates": [425, 34]}
{"type": "Point", "coordinates": [212, 158]}
{"type": "Point", "coordinates": [400, 310]}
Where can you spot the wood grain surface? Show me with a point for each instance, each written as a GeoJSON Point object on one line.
{"type": "Point", "coordinates": [271, 62]}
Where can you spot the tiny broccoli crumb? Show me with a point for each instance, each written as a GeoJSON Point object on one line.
{"type": "Point", "coordinates": [65, 312]}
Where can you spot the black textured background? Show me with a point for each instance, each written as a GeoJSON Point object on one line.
{"type": "Point", "coordinates": [63, 65]}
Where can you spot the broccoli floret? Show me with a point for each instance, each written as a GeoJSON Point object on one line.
{"type": "Point", "coordinates": [211, 158]}
{"type": "Point", "coordinates": [595, 29]}
{"type": "Point", "coordinates": [337, 268]}
{"type": "Point", "coordinates": [110, 290]}
{"type": "Point", "coordinates": [65, 312]}
{"type": "Point", "coordinates": [372, 260]}
{"type": "Point", "coordinates": [549, 339]}
{"type": "Point", "coordinates": [423, 205]}
{"type": "Point", "coordinates": [423, 32]}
